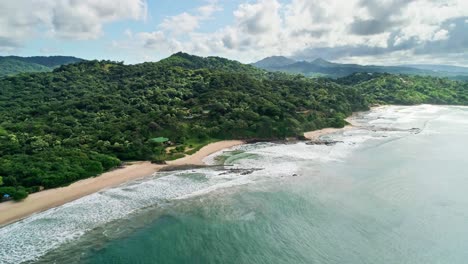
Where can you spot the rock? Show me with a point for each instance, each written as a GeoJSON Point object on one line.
{"type": "Point", "coordinates": [415, 130]}
{"type": "Point", "coordinates": [324, 142]}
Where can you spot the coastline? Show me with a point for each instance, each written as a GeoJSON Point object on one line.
{"type": "Point", "coordinates": [41, 201]}
{"type": "Point", "coordinates": [316, 134]}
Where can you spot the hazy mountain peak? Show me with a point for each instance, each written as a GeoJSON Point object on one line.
{"type": "Point", "coordinates": [274, 61]}
{"type": "Point", "coordinates": [11, 65]}
{"type": "Point", "coordinates": [323, 62]}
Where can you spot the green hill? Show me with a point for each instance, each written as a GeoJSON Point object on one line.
{"type": "Point", "coordinates": [83, 119]}
{"type": "Point", "coordinates": [187, 61]}
{"type": "Point", "coordinates": [11, 65]}
{"type": "Point", "coordinates": [321, 67]}
{"type": "Point", "coordinates": [384, 88]}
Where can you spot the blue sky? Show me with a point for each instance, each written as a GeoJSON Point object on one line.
{"type": "Point", "coordinates": [358, 31]}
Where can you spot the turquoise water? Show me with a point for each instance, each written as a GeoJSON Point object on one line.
{"type": "Point", "coordinates": [388, 193]}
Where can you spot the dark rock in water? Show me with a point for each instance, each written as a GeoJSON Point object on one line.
{"type": "Point", "coordinates": [183, 167]}
{"type": "Point", "coordinates": [324, 142]}
{"type": "Point", "coordinates": [294, 175]}
{"type": "Point", "coordinates": [241, 171]}
{"type": "Point", "coordinates": [301, 138]}
{"type": "Point", "coordinates": [414, 130]}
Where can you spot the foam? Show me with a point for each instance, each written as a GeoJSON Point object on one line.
{"type": "Point", "coordinates": [33, 237]}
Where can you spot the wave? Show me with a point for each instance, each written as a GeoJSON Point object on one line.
{"type": "Point", "coordinates": [33, 237]}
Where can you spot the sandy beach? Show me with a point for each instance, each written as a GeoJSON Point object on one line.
{"type": "Point", "coordinates": [44, 200]}
{"type": "Point", "coordinates": [316, 134]}
{"type": "Point", "coordinates": [41, 201]}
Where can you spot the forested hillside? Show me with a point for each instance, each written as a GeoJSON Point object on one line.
{"type": "Point", "coordinates": [384, 88]}
{"type": "Point", "coordinates": [83, 119]}
{"type": "Point", "coordinates": [323, 68]}
{"type": "Point", "coordinates": [11, 65]}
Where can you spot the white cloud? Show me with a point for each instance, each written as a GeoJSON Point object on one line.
{"type": "Point", "coordinates": [441, 35]}
{"type": "Point", "coordinates": [257, 29]}
{"type": "Point", "coordinates": [83, 19]}
{"type": "Point", "coordinates": [185, 22]}
{"type": "Point", "coordinates": [334, 29]}
{"type": "Point", "coordinates": [158, 43]}
{"type": "Point", "coordinates": [257, 26]}
{"type": "Point", "coordinates": [260, 18]}
{"type": "Point", "coordinates": [21, 20]}
{"type": "Point", "coordinates": [341, 30]}
{"type": "Point", "coordinates": [181, 24]}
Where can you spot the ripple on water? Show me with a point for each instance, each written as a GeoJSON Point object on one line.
{"type": "Point", "coordinates": [33, 237]}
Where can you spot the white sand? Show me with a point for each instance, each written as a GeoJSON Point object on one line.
{"type": "Point", "coordinates": [315, 135]}
{"type": "Point", "coordinates": [41, 201]}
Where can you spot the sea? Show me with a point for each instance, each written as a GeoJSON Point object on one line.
{"type": "Point", "coordinates": [392, 189]}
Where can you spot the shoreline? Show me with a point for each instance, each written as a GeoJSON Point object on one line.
{"type": "Point", "coordinates": [316, 134]}
{"type": "Point", "coordinates": [11, 211]}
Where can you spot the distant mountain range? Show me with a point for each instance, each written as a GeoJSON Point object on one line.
{"type": "Point", "coordinates": [11, 65]}
{"type": "Point", "coordinates": [321, 67]}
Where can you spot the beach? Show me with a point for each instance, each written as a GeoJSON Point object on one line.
{"type": "Point", "coordinates": [370, 180]}
{"type": "Point", "coordinates": [316, 134]}
{"type": "Point", "coordinates": [44, 200]}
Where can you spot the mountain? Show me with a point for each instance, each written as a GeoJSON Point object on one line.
{"type": "Point", "coordinates": [272, 62]}
{"type": "Point", "coordinates": [385, 88]}
{"type": "Point", "coordinates": [188, 61]}
{"type": "Point", "coordinates": [321, 67]}
{"type": "Point", "coordinates": [456, 70]}
{"type": "Point", "coordinates": [11, 65]}
{"type": "Point", "coordinates": [84, 118]}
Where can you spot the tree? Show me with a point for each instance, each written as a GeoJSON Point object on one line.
{"type": "Point", "coordinates": [83, 119]}
{"type": "Point", "coordinates": [19, 195]}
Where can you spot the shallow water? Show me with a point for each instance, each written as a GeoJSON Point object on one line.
{"type": "Point", "coordinates": [388, 194]}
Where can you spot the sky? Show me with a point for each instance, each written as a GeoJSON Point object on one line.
{"type": "Point", "coordinates": [387, 32]}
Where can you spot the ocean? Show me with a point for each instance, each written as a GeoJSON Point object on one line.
{"type": "Point", "coordinates": [393, 189]}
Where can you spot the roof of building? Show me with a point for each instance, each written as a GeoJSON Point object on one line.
{"type": "Point", "coordinates": [160, 139]}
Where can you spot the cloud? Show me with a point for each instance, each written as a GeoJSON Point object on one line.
{"type": "Point", "coordinates": [181, 24]}
{"type": "Point", "coordinates": [187, 22]}
{"type": "Point", "coordinates": [307, 29]}
{"type": "Point", "coordinates": [369, 26]}
{"type": "Point", "coordinates": [259, 18]}
{"type": "Point", "coordinates": [384, 16]}
{"type": "Point", "coordinates": [83, 19]}
{"type": "Point", "coordinates": [379, 31]}
{"type": "Point", "coordinates": [8, 44]}
{"type": "Point", "coordinates": [386, 31]}
{"type": "Point", "coordinates": [370, 31]}
{"type": "Point", "coordinates": [158, 41]}
{"type": "Point", "coordinates": [21, 20]}
{"type": "Point", "coordinates": [452, 38]}
{"type": "Point", "coordinates": [256, 27]}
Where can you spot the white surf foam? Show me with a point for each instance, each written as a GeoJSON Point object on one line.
{"type": "Point", "coordinates": [33, 237]}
